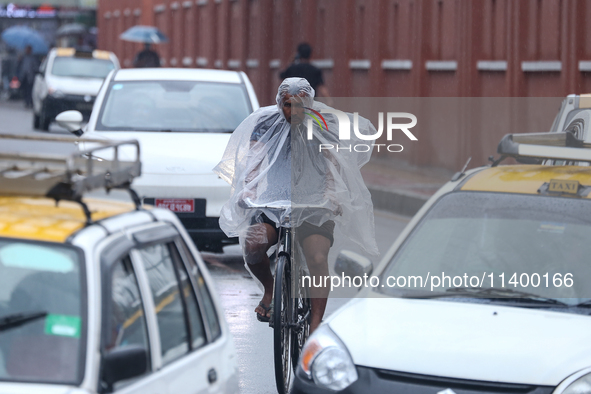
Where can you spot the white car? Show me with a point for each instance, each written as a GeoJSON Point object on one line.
{"type": "Point", "coordinates": [183, 119]}
{"type": "Point", "coordinates": [69, 79]}
{"type": "Point", "coordinates": [485, 291]}
{"type": "Point", "coordinates": [101, 296]}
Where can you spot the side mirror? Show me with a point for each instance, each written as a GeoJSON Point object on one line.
{"type": "Point", "coordinates": [124, 363]}
{"type": "Point", "coordinates": [352, 264]}
{"type": "Point", "coordinates": [71, 121]}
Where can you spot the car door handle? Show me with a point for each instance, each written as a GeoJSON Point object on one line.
{"type": "Point", "coordinates": [212, 376]}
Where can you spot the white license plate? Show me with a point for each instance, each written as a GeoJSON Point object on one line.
{"type": "Point", "coordinates": [176, 204]}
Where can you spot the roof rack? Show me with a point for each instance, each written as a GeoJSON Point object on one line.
{"type": "Point", "coordinates": [556, 146]}
{"type": "Point", "coordinates": [68, 177]}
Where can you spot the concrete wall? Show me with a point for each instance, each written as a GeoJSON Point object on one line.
{"type": "Point", "coordinates": [377, 48]}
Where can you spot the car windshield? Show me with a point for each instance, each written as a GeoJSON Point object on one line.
{"type": "Point", "coordinates": [173, 106]}
{"type": "Point", "coordinates": [41, 313]}
{"type": "Point", "coordinates": [81, 67]}
{"type": "Point", "coordinates": [470, 242]}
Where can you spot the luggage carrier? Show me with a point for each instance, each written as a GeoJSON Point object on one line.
{"type": "Point", "coordinates": [533, 148]}
{"type": "Point", "coordinates": [69, 176]}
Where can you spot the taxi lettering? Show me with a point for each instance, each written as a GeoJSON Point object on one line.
{"type": "Point", "coordinates": [562, 186]}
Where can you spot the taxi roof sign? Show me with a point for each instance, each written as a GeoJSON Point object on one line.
{"type": "Point", "coordinates": [98, 54]}
{"type": "Point", "coordinates": [65, 52]}
{"type": "Point", "coordinates": [585, 100]}
{"type": "Point", "coordinates": [563, 186]}
{"type": "Point", "coordinates": [78, 52]}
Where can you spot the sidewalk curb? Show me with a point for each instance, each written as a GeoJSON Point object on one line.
{"type": "Point", "coordinates": [400, 202]}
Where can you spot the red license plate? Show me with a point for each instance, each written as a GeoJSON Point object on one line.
{"type": "Point", "coordinates": [176, 204]}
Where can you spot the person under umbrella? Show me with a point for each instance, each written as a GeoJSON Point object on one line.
{"type": "Point", "coordinates": [19, 37]}
{"type": "Point", "coordinates": [147, 58]}
{"type": "Point", "coordinates": [147, 35]}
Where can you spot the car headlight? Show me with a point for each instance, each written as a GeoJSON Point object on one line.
{"type": "Point", "coordinates": [578, 383]}
{"type": "Point", "coordinates": [326, 360]}
{"type": "Point", "coordinates": [56, 93]}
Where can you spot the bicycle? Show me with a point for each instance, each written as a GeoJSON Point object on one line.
{"type": "Point", "coordinates": [290, 318]}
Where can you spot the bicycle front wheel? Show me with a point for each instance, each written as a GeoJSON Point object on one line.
{"type": "Point", "coordinates": [301, 327]}
{"type": "Point", "coordinates": [283, 318]}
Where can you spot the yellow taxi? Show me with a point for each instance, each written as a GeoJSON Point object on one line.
{"type": "Point", "coordinates": [488, 288]}
{"type": "Point", "coordinates": [100, 296]}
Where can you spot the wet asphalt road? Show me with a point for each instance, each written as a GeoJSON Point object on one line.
{"type": "Point", "coordinates": [16, 119]}
{"type": "Point", "coordinates": [240, 295]}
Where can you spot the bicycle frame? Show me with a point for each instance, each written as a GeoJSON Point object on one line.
{"type": "Point", "coordinates": [284, 242]}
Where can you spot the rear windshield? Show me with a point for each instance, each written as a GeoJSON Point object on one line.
{"type": "Point", "coordinates": [173, 106]}
{"type": "Point", "coordinates": [81, 67]}
{"type": "Point", "coordinates": [41, 312]}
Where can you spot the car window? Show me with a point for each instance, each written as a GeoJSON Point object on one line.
{"type": "Point", "coordinates": [207, 302]}
{"type": "Point", "coordinates": [164, 286]}
{"type": "Point", "coordinates": [126, 321]}
{"type": "Point", "coordinates": [81, 67]}
{"type": "Point", "coordinates": [46, 282]}
{"type": "Point", "coordinates": [196, 323]}
{"type": "Point", "coordinates": [181, 106]}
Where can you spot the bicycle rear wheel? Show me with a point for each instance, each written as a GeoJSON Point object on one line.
{"type": "Point", "coordinates": [283, 318]}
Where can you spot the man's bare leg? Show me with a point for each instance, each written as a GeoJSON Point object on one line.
{"type": "Point", "coordinates": [258, 261]}
{"type": "Point", "coordinates": [316, 249]}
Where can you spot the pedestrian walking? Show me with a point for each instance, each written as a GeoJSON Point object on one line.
{"type": "Point", "coordinates": [28, 67]}
{"type": "Point", "coordinates": [302, 68]}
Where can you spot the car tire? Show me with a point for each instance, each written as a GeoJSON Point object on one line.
{"type": "Point", "coordinates": [36, 121]}
{"type": "Point", "coordinates": [44, 121]}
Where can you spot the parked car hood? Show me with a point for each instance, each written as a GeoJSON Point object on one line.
{"type": "Point", "coordinates": [79, 86]}
{"type": "Point", "coordinates": [465, 340]}
{"type": "Point", "coordinates": [173, 153]}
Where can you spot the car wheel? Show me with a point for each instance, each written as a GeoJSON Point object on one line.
{"type": "Point", "coordinates": [44, 121]}
{"type": "Point", "coordinates": [36, 122]}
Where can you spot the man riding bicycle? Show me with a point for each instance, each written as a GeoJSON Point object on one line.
{"type": "Point", "coordinates": [272, 158]}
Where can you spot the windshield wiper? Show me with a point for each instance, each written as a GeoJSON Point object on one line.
{"type": "Point", "coordinates": [489, 293]}
{"type": "Point", "coordinates": [18, 319]}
